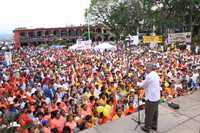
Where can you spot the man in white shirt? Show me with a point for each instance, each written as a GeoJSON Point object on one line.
{"type": "Point", "coordinates": [195, 76]}
{"type": "Point", "coordinates": [152, 88]}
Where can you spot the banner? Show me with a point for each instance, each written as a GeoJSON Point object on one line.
{"type": "Point", "coordinates": [88, 42]}
{"type": "Point", "coordinates": [184, 37]}
{"type": "Point", "coordinates": [152, 39]}
{"type": "Point", "coordinates": [8, 58]}
{"type": "Point", "coordinates": [134, 40]}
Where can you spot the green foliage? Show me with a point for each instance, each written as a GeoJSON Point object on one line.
{"type": "Point", "coordinates": [115, 15]}
{"type": "Point", "coordinates": [181, 14]}
{"type": "Point", "coordinates": [92, 35]}
{"type": "Point", "coordinates": [123, 17]}
{"type": "Point", "coordinates": [196, 39]}
{"type": "Point", "coordinates": [59, 42]}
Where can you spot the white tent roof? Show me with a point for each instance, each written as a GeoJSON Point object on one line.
{"type": "Point", "coordinates": [80, 47]}
{"type": "Point", "coordinates": [105, 46]}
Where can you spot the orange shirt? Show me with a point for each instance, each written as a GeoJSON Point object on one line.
{"type": "Point", "coordinates": [141, 93]}
{"type": "Point", "coordinates": [90, 106]}
{"type": "Point", "coordinates": [46, 130]}
{"type": "Point", "coordinates": [64, 107]}
{"type": "Point", "coordinates": [58, 123]}
{"type": "Point", "coordinates": [32, 108]}
{"type": "Point", "coordinates": [2, 90]}
{"type": "Point", "coordinates": [85, 113]}
{"type": "Point", "coordinates": [130, 111]}
{"type": "Point", "coordinates": [4, 105]}
{"type": "Point", "coordinates": [167, 90]}
{"type": "Point", "coordinates": [112, 113]}
{"type": "Point", "coordinates": [47, 117]}
{"type": "Point", "coordinates": [72, 125]}
{"type": "Point", "coordinates": [8, 88]}
{"type": "Point", "coordinates": [115, 117]}
{"type": "Point", "coordinates": [102, 121]}
{"type": "Point", "coordinates": [114, 105]}
{"type": "Point", "coordinates": [102, 101]}
{"type": "Point", "coordinates": [30, 99]}
{"type": "Point", "coordinates": [52, 107]}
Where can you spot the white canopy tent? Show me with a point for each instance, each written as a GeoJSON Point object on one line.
{"type": "Point", "coordinates": [81, 45]}
{"type": "Point", "coordinates": [105, 46]}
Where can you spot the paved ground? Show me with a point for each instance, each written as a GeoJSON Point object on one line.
{"type": "Point", "coordinates": [184, 120]}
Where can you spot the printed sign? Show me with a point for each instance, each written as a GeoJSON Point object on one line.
{"type": "Point", "coordinates": [8, 58]}
{"type": "Point", "coordinates": [184, 37]}
{"type": "Point", "coordinates": [134, 40]}
{"type": "Point", "coordinates": [152, 39]}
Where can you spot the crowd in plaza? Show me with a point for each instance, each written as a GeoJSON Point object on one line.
{"type": "Point", "coordinates": [57, 90]}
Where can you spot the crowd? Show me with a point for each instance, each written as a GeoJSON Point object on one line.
{"type": "Point", "coordinates": [57, 90]}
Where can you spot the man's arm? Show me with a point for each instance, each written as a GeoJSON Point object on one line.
{"type": "Point", "coordinates": [144, 83]}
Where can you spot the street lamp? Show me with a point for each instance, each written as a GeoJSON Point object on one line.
{"type": "Point", "coordinates": [138, 28]}
{"type": "Point", "coordinates": [155, 8]}
{"type": "Point", "coordinates": [88, 19]}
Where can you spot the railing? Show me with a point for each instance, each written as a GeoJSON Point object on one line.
{"type": "Point", "coordinates": [40, 39]}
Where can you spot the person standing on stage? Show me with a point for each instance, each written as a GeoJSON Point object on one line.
{"type": "Point", "coordinates": [152, 88]}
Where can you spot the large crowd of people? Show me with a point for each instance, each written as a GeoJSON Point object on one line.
{"type": "Point", "coordinates": [57, 90]}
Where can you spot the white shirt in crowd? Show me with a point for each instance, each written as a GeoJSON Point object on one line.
{"type": "Point", "coordinates": [152, 86]}
{"type": "Point", "coordinates": [195, 77]}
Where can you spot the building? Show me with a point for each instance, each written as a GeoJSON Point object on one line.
{"type": "Point", "coordinates": [26, 37]}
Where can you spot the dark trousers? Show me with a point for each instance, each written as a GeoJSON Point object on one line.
{"type": "Point", "coordinates": [151, 114]}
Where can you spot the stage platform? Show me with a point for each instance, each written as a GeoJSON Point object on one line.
{"type": "Point", "coordinates": [184, 120]}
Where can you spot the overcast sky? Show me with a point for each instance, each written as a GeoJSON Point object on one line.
{"type": "Point", "coordinates": [40, 13]}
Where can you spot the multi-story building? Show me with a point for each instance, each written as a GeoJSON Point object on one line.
{"type": "Point", "coordinates": [24, 36]}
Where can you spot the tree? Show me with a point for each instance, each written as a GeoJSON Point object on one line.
{"type": "Point", "coordinates": [196, 39]}
{"type": "Point", "coordinates": [59, 42]}
{"type": "Point", "coordinates": [177, 15]}
{"type": "Point", "coordinates": [120, 17]}
{"type": "Point", "coordinates": [135, 15]}
{"type": "Point", "coordinates": [92, 35]}
{"type": "Point", "coordinates": [123, 17]}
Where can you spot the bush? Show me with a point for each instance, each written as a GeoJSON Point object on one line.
{"type": "Point", "coordinates": [196, 39]}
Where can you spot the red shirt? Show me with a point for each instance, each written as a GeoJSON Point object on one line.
{"type": "Point", "coordinates": [24, 119]}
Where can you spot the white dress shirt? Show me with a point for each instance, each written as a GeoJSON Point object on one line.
{"type": "Point", "coordinates": [195, 77]}
{"type": "Point", "coordinates": [151, 86]}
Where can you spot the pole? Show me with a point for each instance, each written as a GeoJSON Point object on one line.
{"type": "Point", "coordinates": [138, 120]}
{"type": "Point", "coordinates": [138, 30]}
{"type": "Point", "coordinates": [88, 17]}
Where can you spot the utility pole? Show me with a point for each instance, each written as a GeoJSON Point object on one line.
{"type": "Point", "coordinates": [88, 17]}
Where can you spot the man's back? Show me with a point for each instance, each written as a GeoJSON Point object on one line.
{"type": "Point", "coordinates": [152, 86]}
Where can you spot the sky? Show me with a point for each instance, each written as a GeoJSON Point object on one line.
{"type": "Point", "coordinates": [40, 13]}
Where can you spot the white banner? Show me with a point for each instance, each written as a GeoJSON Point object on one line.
{"type": "Point", "coordinates": [88, 42]}
{"type": "Point", "coordinates": [184, 37]}
{"type": "Point", "coordinates": [8, 58]}
{"type": "Point", "coordinates": [80, 47]}
{"type": "Point", "coordinates": [134, 40]}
